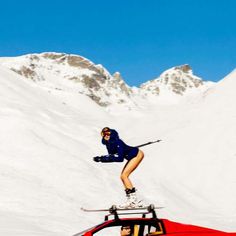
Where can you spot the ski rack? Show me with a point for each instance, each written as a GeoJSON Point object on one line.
{"type": "Point", "coordinates": [131, 211]}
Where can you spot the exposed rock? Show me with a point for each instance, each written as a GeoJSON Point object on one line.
{"type": "Point", "coordinates": [74, 78]}
{"type": "Point", "coordinates": [178, 88]}
{"type": "Point", "coordinates": [98, 100]}
{"type": "Point", "coordinates": [53, 56]}
{"type": "Point", "coordinates": [120, 81]}
{"type": "Point", "coordinates": [26, 72]}
{"type": "Point", "coordinates": [185, 68]}
{"type": "Point", "coordinates": [90, 82]}
{"type": "Point", "coordinates": [34, 57]}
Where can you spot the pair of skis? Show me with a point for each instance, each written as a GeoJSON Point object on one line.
{"type": "Point", "coordinates": [114, 208]}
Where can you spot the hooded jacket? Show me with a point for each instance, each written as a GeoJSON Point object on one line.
{"type": "Point", "coordinates": [116, 146]}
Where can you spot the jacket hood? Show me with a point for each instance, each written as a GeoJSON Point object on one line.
{"type": "Point", "coordinates": [114, 136]}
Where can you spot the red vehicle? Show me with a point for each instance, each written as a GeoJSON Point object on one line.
{"type": "Point", "coordinates": [144, 226]}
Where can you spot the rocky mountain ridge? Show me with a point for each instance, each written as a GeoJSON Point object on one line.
{"type": "Point", "coordinates": [75, 73]}
{"type": "Point", "coordinates": [177, 79]}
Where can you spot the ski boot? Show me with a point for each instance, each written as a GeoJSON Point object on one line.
{"type": "Point", "coordinates": [131, 200]}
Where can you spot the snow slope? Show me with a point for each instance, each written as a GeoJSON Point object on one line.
{"type": "Point", "coordinates": [48, 138]}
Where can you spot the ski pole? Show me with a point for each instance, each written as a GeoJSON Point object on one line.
{"type": "Point", "coordinates": [106, 157]}
{"type": "Point", "coordinates": [145, 144]}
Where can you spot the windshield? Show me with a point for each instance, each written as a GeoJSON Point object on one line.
{"type": "Point", "coordinates": [84, 231]}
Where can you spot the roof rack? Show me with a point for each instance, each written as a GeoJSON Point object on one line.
{"type": "Point", "coordinates": [116, 212]}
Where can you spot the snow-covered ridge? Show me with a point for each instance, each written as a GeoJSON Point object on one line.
{"type": "Point", "coordinates": [71, 73]}
{"type": "Point", "coordinates": [77, 74]}
{"type": "Point", "coordinates": [179, 80]}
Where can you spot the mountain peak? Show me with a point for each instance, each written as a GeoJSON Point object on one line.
{"type": "Point", "coordinates": [178, 80]}
{"type": "Point", "coordinates": [69, 72]}
{"type": "Point", "coordinates": [77, 74]}
{"type": "Point", "coordinates": [185, 68]}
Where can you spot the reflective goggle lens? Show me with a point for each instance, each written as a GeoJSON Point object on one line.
{"type": "Point", "coordinates": [105, 132]}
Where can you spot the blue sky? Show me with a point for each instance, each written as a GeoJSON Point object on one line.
{"type": "Point", "coordinates": [139, 38]}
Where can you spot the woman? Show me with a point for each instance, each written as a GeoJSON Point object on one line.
{"type": "Point", "coordinates": [126, 230]}
{"type": "Point", "coordinates": [118, 151]}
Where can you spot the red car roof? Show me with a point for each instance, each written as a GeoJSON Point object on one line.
{"type": "Point", "coordinates": [171, 227]}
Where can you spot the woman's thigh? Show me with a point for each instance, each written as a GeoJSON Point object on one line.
{"type": "Point", "coordinates": [133, 164]}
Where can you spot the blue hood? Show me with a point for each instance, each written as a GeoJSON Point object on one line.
{"type": "Point", "coordinates": [114, 137]}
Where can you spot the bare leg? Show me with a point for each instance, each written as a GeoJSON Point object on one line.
{"type": "Point", "coordinates": [129, 168]}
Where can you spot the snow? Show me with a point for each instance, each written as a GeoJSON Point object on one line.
{"type": "Point", "coordinates": [53, 71]}
{"type": "Point", "coordinates": [48, 138]}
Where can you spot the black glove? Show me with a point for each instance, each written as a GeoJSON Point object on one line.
{"type": "Point", "coordinates": [97, 158]}
{"type": "Point", "coordinates": [107, 158]}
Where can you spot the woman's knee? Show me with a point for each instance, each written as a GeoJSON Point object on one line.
{"type": "Point", "coordinates": [123, 176]}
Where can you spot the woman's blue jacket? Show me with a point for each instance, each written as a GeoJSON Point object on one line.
{"type": "Point", "coordinates": [117, 149]}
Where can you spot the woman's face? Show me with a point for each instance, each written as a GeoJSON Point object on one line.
{"type": "Point", "coordinates": [106, 133]}
{"type": "Point", "coordinates": [125, 231]}
{"type": "Point", "coordinates": [107, 137]}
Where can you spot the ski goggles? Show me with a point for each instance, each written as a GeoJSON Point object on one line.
{"type": "Point", "coordinates": [105, 132]}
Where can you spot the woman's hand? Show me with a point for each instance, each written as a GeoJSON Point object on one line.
{"type": "Point", "coordinates": [97, 159]}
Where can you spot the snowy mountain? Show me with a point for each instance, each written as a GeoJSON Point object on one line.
{"type": "Point", "coordinates": [177, 80]}
{"type": "Point", "coordinates": [73, 73]}
{"type": "Point", "coordinates": [49, 136]}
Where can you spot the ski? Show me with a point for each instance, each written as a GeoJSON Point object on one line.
{"type": "Point", "coordinates": [115, 208]}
